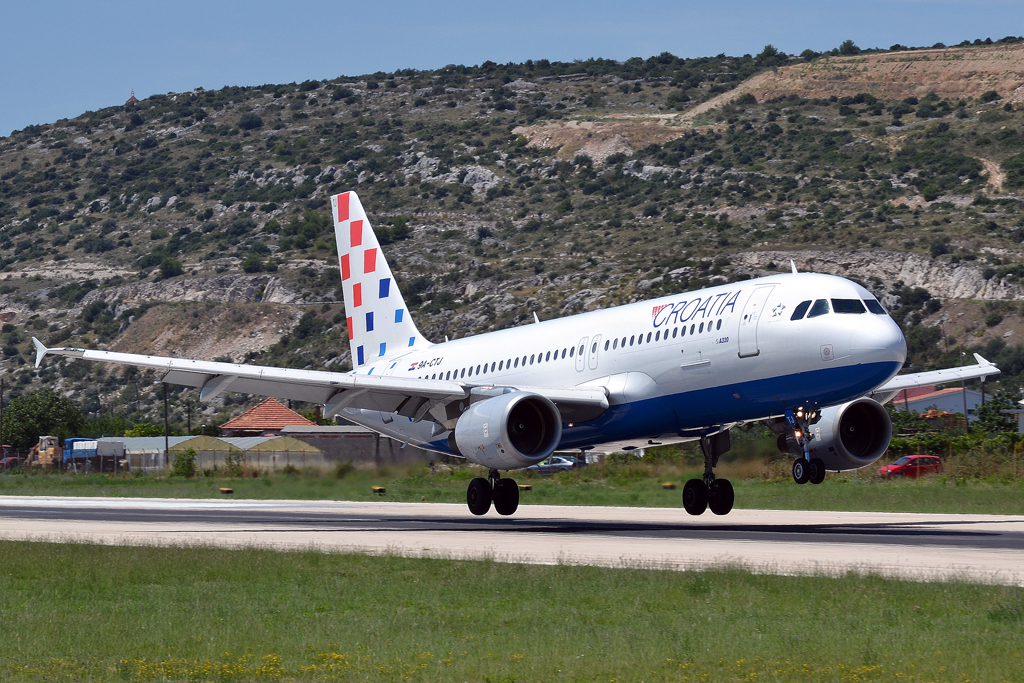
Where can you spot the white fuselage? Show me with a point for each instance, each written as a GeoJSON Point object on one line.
{"type": "Point", "coordinates": [676, 366]}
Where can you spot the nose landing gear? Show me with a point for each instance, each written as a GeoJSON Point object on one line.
{"type": "Point", "coordinates": [504, 493]}
{"type": "Point", "coordinates": [805, 468]}
{"type": "Point", "coordinates": [710, 492]}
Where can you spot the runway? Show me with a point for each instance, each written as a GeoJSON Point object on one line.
{"type": "Point", "coordinates": [988, 548]}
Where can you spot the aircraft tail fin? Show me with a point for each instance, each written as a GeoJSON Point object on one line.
{"type": "Point", "coordinates": [379, 324]}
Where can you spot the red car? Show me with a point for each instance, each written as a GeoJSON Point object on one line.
{"type": "Point", "coordinates": [10, 463]}
{"type": "Point", "coordinates": [912, 466]}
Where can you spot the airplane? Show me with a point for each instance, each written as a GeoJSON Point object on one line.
{"type": "Point", "coordinates": [813, 356]}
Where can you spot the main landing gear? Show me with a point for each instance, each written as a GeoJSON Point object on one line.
{"type": "Point", "coordinates": [504, 493]}
{"type": "Point", "coordinates": [805, 468]}
{"type": "Point", "coordinates": [710, 492]}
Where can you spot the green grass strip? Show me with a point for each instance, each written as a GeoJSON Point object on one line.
{"type": "Point", "coordinates": [97, 613]}
{"type": "Point", "coordinates": [627, 485]}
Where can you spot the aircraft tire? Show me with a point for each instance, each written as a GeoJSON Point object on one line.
{"type": "Point", "coordinates": [506, 496]}
{"type": "Point", "coordinates": [801, 471]}
{"type": "Point", "coordinates": [478, 496]}
{"type": "Point", "coordinates": [695, 497]}
{"type": "Point", "coordinates": [817, 473]}
{"type": "Point", "coordinates": [721, 497]}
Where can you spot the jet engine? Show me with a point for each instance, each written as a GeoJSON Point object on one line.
{"type": "Point", "coordinates": [846, 437]}
{"type": "Point", "coordinates": [509, 431]}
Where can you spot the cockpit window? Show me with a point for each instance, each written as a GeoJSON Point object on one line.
{"type": "Point", "coordinates": [875, 307]}
{"type": "Point", "coordinates": [847, 306]}
{"type": "Point", "coordinates": [800, 310]}
{"type": "Point", "coordinates": [820, 307]}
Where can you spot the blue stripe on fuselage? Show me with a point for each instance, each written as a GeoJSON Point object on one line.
{"type": "Point", "coordinates": [687, 413]}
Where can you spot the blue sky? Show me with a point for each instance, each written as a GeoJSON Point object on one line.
{"type": "Point", "coordinates": [61, 58]}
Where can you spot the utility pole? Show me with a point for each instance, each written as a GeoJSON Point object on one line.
{"type": "Point", "coordinates": [963, 390]}
{"type": "Point", "coordinates": [189, 404]}
{"type": "Point", "coordinates": [167, 448]}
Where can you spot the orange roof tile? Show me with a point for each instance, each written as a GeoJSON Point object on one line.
{"type": "Point", "coordinates": [270, 414]}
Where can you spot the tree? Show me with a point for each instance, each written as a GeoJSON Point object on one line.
{"type": "Point", "coordinates": [770, 56]}
{"type": "Point", "coordinates": [250, 121]}
{"type": "Point", "coordinates": [145, 429]}
{"type": "Point", "coordinates": [170, 267]}
{"type": "Point", "coordinates": [848, 47]}
{"type": "Point", "coordinates": [991, 418]}
{"type": "Point", "coordinates": [40, 413]}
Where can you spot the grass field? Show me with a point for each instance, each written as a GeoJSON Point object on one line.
{"type": "Point", "coordinates": [98, 613]}
{"type": "Point", "coordinates": [629, 484]}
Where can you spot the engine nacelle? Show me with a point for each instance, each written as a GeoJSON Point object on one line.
{"type": "Point", "coordinates": [852, 435]}
{"type": "Point", "coordinates": [509, 431]}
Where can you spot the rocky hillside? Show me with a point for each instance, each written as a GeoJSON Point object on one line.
{"type": "Point", "coordinates": [196, 222]}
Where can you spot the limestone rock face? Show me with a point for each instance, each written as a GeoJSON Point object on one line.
{"type": "Point", "coordinates": [941, 279]}
{"type": "Point", "coordinates": [223, 289]}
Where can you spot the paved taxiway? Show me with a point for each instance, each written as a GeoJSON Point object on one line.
{"type": "Point", "coordinates": [988, 548]}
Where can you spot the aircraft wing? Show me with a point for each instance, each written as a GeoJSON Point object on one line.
{"type": "Point", "coordinates": [898, 383]}
{"type": "Point", "coordinates": [334, 390]}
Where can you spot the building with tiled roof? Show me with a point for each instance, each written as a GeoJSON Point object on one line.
{"type": "Point", "coordinates": [922, 399]}
{"type": "Point", "coordinates": [267, 418]}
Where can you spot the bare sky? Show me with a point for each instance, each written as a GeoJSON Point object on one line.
{"type": "Point", "coordinates": [61, 58]}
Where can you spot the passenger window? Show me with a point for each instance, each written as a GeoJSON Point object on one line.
{"type": "Point", "coordinates": [820, 307]}
{"type": "Point", "coordinates": [501, 365]}
{"type": "Point", "coordinates": [875, 307]}
{"type": "Point", "coordinates": [448, 375]}
{"type": "Point", "coordinates": [615, 344]}
{"type": "Point", "coordinates": [524, 361]}
{"type": "Point", "coordinates": [675, 332]}
{"type": "Point", "coordinates": [571, 349]}
{"type": "Point", "coordinates": [593, 349]}
{"type": "Point", "coordinates": [563, 353]}
{"type": "Point", "coordinates": [547, 357]}
{"type": "Point", "coordinates": [719, 325]}
{"type": "Point", "coordinates": [701, 328]}
{"type": "Point", "coordinates": [648, 337]}
{"type": "Point", "coordinates": [492, 366]}
{"type": "Point", "coordinates": [517, 363]}
{"type": "Point", "coordinates": [631, 340]}
{"type": "Point", "coordinates": [478, 369]}
{"type": "Point", "coordinates": [531, 359]}
{"type": "Point", "coordinates": [657, 335]}
{"type": "Point", "coordinates": [463, 372]}
{"type": "Point", "coordinates": [847, 306]}
{"type": "Point", "coordinates": [639, 339]}
{"type": "Point", "coordinates": [692, 327]}
{"type": "Point", "coordinates": [606, 343]}
{"type": "Point", "coordinates": [581, 349]}
{"type": "Point", "coordinates": [623, 342]}
{"type": "Point", "coordinates": [471, 371]}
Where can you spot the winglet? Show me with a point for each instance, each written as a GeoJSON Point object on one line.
{"type": "Point", "coordinates": [981, 361]}
{"type": "Point", "coordinates": [792, 264]}
{"type": "Point", "coordinates": [535, 318]}
{"type": "Point", "coordinates": [40, 350]}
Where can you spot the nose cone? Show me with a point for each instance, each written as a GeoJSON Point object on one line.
{"type": "Point", "coordinates": [879, 339]}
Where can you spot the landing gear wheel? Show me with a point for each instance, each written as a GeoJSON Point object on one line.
{"type": "Point", "coordinates": [695, 497]}
{"type": "Point", "coordinates": [720, 496]}
{"type": "Point", "coordinates": [478, 496]}
{"type": "Point", "coordinates": [801, 471]}
{"type": "Point", "coordinates": [506, 496]}
{"type": "Point", "coordinates": [817, 474]}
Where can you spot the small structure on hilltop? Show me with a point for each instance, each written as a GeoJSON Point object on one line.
{"type": "Point", "coordinates": [267, 418]}
{"type": "Point", "coordinates": [131, 99]}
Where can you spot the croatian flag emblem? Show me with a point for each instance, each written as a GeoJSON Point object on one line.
{"type": "Point", "coordinates": [656, 309]}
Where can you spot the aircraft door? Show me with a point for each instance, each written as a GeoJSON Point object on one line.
{"type": "Point", "coordinates": [595, 349]}
{"type": "Point", "coordinates": [581, 355]}
{"type": "Point", "coordinates": [748, 321]}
